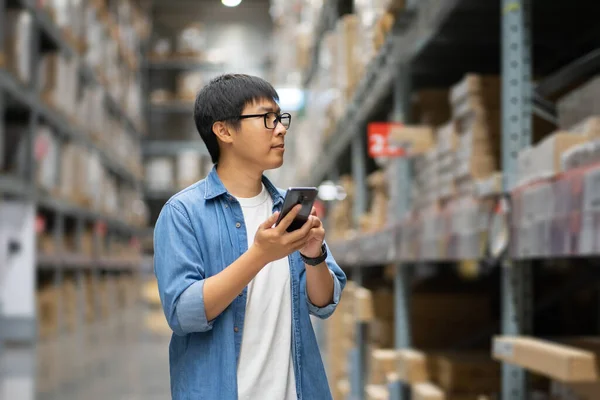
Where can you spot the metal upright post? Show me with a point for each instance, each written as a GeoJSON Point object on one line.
{"type": "Point", "coordinates": [2, 141]}
{"type": "Point", "coordinates": [81, 300]}
{"type": "Point", "coordinates": [402, 276]}
{"type": "Point", "coordinates": [29, 163]}
{"type": "Point", "coordinates": [360, 206]}
{"type": "Point", "coordinates": [59, 232]}
{"type": "Point", "coordinates": [516, 135]}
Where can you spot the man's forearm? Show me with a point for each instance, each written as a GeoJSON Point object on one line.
{"type": "Point", "coordinates": [319, 284]}
{"type": "Point", "coordinates": [221, 289]}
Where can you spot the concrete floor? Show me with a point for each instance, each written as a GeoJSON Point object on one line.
{"type": "Point", "coordinates": [116, 360]}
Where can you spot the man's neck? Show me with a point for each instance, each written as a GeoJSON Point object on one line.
{"type": "Point", "coordinates": [240, 181]}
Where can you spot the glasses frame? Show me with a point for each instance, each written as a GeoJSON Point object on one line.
{"type": "Point", "coordinates": [264, 116]}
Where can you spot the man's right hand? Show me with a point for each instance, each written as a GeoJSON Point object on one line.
{"type": "Point", "coordinates": [274, 243]}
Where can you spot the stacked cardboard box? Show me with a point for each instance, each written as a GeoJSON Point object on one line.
{"type": "Point", "coordinates": [340, 331]}
{"type": "Point", "coordinates": [475, 109]}
{"type": "Point", "coordinates": [341, 213]}
{"type": "Point", "coordinates": [425, 188]}
{"type": "Point", "coordinates": [70, 303]}
{"type": "Point", "coordinates": [447, 144]}
{"type": "Point", "coordinates": [430, 107]}
{"type": "Point", "coordinates": [377, 216]}
{"type": "Point", "coordinates": [47, 311]}
{"type": "Point", "coordinates": [431, 314]}
{"type": "Point", "coordinates": [544, 159]}
{"type": "Point", "coordinates": [579, 104]}
{"type": "Point", "coordinates": [17, 38]}
{"type": "Point", "coordinates": [454, 376]}
{"type": "Point", "coordinates": [346, 56]}
{"type": "Point", "coordinates": [376, 19]}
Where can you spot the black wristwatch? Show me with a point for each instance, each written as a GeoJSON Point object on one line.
{"type": "Point", "coordinates": [317, 260]}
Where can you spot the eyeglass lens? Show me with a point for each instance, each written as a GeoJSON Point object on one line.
{"type": "Point", "coordinates": [271, 120]}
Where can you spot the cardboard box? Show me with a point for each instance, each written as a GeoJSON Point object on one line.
{"type": "Point", "coordinates": [412, 366]}
{"type": "Point", "coordinates": [46, 155]}
{"type": "Point", "coordinates": [447, 138]}
{"type": "Point", "coordinates": [188, 168]}
{"type": "Point", "coordinates": [383, 362]}
{"type": "Point", "coordinates": [549, 151]}
{"type": "Point", "coordinates": [47, 311]}
{"type": "Point", "coordinates": [17, 43]}
{"type": "Point", "coordinates": [377, 392]}
{"type": "Point", "coordinates": [427, 391]}
{"type": "Point", "coordinates": [346, 53]}
{"type": "Point", "coordinates": [363, 305]}
{"type": "Point", "coordinates": [475, 85]}
{"type": "Point", "coordinates": [430, 106]}
{"type": "Point", "coordinates": [415, 140]}
{"type": "Point", "coordinates": [579, 104]}
{"type": "Point", "coordinates": [589, 127]}
{"type": "Point", "coordinates": [159, 173]}
{"type": "Point", "coordinates": [476, 167]}
{"type": "Point", "coordinates": [467, 372]}
{"type": "Point", "coordinates": [554, 360]}
{"type": "Point", "coordinates": [188, 85]}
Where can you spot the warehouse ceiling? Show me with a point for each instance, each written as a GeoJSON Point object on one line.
{"type": "Point", "coordinates": [171, 15]}
{"type": "Point", "coordinates": [240, 35]}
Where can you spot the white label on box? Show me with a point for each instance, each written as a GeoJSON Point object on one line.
{"type": "Point", "coordinates": [591, 190]}
{"type": "Point", "coordinates": [503, 349]}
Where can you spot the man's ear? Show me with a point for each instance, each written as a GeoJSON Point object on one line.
{"type": "Point", "coordinates": [222, 131]}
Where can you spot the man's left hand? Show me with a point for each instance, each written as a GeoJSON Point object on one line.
{"type": "Point", "coordinates": [312, 249]}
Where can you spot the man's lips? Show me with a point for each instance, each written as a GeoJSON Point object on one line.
{"type": "Point", "coordinates": [279, 146]}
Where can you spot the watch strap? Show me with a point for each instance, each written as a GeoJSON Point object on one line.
{"type": "Point", "coordinates": [316, 260]}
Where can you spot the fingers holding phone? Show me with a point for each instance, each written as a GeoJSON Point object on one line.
{"type": "Point", "coordinates": [274, 243]}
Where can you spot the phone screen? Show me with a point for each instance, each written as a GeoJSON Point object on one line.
{"type": "Point", "coordinates": [294, 196]}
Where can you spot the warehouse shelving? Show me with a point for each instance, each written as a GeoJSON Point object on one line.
{"type": "Point", "coordinates": [72, 133]}
{"type": "Point", "coordinates": [97, 273]}
{"type": "Point", "coordinates": [408, 39]}
{"type": "Point", "coordinates": [165, 148]}
{"type": "Point", "coordinates": [50, 30]}
{"type": "Point", "coordinates": [441, 41]}
{"type": "Point", "coordinates": [173, 107]}
{"type": "Point", "coordinates": [182, 64]}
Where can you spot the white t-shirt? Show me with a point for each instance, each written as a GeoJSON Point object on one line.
{"type": "Point", "coordinates": [265, 368]}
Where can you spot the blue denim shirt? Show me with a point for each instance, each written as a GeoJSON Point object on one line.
{"type": "Point", "coordinates": [200, 231]}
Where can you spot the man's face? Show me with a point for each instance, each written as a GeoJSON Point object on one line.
{"type": "Point", "coordinates": [256, 144]}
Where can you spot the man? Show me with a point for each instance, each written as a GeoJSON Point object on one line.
{"type": "Point", "coordinates": [237, 291]}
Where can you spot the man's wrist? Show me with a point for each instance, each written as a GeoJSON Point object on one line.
{"type": "Point", "coordinates": [317, 259]}
{"type": "Point", "coordinates": [257, 256]}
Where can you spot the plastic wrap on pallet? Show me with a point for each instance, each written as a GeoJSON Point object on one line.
{"type": "Point", "coordinates": [558, 217]}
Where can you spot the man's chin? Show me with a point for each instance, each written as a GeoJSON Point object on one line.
{"type": "Point", "coordinates": [273, 165]}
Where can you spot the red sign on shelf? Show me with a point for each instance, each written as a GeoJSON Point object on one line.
{"type": "Point", "coordinates": [101, 228]}
{"type": "Point", "coordinates": [378, 134]}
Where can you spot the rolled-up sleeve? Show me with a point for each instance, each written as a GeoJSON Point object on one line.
{"type": "Point", "coordinates": [179, 271]}
{"type": "Point", "coordinates": [339, 282]}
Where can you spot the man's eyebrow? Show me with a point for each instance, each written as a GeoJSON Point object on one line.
{"type": "Point", "coordinates": [269, 108]}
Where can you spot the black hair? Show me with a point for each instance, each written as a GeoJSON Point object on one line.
{"type": "Point", "coordinates": [225, 97]}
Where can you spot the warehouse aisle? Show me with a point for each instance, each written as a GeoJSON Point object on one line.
{"type": "Point", "coordinates": [128, 363]}
{"type": "Point", "coordinates": [134, 364]}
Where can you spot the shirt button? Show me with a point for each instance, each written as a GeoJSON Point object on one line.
{"type": "Point", "coordinates": [241, 294]}
{"type": "Point", "coordinates": [237, 224]}
{"type": "Point", "coordinates": [236, 329]}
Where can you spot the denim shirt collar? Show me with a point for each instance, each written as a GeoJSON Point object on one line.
{"type": "Point", "coordinates": [214, 188]}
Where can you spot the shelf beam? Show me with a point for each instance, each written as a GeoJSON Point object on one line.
{"type": "Point", "coordinates": [172, 147]}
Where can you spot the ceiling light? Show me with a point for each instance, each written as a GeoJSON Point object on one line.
{"type": "Point", "coordinates": [231, 3]}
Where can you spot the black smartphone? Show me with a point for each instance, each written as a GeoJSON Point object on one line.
{"type": "Point", "coordinates": [298, 195]}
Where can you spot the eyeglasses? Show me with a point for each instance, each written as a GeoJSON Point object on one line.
{"type": "Point", "coordinates": [271, 119]}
